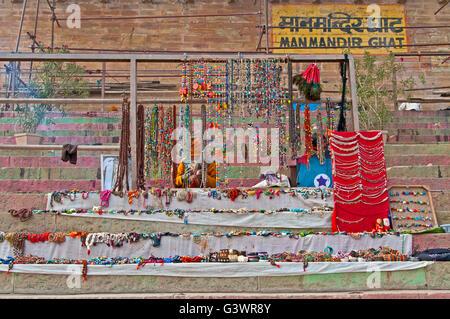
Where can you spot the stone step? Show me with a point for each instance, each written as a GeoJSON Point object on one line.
{"type": "Point", "coordinates": [441, 202]}
{"type": "Point", "coordinates": [70, 120]}
{"type": "Point", "coordinates": [443, 217]}
{"type": "Point", "coordinates": [40, 167]}
{"type": "Point", "coordinates": [28, 165]}
{"type": "Point", "coordinates": [417, 160]}
{"type": "Point", "coordinates": [88, 140]}
{"type": "Point", "coordinates": [34, 153]}
{"type": "Point", "coordinates": [432, 183]}
{"type": "Point", "coordinates": [421, 114]}
{"type": "Point", "coordinates": [39, 186]}
{"type": "Point", "coordinates": [68, 114]}
{"type": "Point", "coordinates": [417, 149]}
{"type": "Point", "coordinates": [420, 131]}
{"type": "Point", "coordinates": [47, 161]}
{"type": "Point", "coordinates": [412, 283]}
{"type": "Point", "coordinates": [46, 222]}
{"type": "Point", "coordinates": [432, 120]}
{"type": "Point", "coordinates": [35, 185]}
{"type": "Point", "coordinates": [417, 139]}
{"type": "Point", "coordinates": [423, 242]}
{"type": "Point", "coordinates": [11, 200]}
{"type": "Point", "coordinates": [65, 126]}
{"type": "Point", "coordinates": [395, 126]}
{"type": "Point", "coordinates": [49, 173]}
{"type": "Point", "coordinates": [419, 171]}
{"type": "Point", "coordinates": [71, 133]}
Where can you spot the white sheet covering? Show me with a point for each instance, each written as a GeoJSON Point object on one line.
{"type": "Point", "coordinates": [201, 202]}
{"type": "Point", "coordinates": [221, 270]}
{"type": "Point", "coordinates": [276, 219]}
{"type": "Point", "coordinates": [171, 246]}
{"type": "Point", "coordinates": [284, 219]}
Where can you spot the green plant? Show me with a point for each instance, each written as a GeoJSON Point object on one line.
{"type": "Point", "coordinates": [374, 84]}
{"type": "Point", "coordinates": [311, 91]}
{"type": "Point", "coordinates": [51, 80]}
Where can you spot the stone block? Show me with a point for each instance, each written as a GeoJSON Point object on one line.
{"type": "Point", "coordinates": [438, 275]}
{"type": "Point", "coordinates": [84, 224]}
{"type": "Point", "coordinates": [37, 224]}
{"type": "Point", "coordinates": [50, 284]}
{"type": "Point", "coordinates": [423, 242]}
{"type": "Point", "coordinates": [6, 283]}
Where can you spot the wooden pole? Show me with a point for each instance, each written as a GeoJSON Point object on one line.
{"type": "Point", "coordinates": [292, 135]}
{"type": "Point", "coordinates": [103, 84]}
{"type": "Point", "coordinates": [353, 92]}
{"type": "Point", "coordinates": [394, 85]}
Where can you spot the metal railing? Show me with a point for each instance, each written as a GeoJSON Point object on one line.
{"type": "Point", "coordinates": [134, 59]}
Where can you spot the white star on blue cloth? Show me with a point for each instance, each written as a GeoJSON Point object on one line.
{"type": "Point", "coordinates": [322, 180]}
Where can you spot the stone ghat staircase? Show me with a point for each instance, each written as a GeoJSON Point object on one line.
{"type": "Point", "coordinates": [418, 153]}
{"type": "Point", "coordinates": [23, 171]}
{"type": "Point", "coordinates": [27, 176]}
{"type": "Point", "coordinates": [43, 171]}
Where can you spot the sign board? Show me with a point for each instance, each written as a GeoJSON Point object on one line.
{"type": "Point", "coordinates": [332, 28]}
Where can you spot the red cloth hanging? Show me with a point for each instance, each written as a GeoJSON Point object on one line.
{"type": "Point", "coordinates": [359, 181]}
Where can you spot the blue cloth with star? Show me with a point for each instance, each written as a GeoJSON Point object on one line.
{"type": "Point", "coordinates": [315, 175]}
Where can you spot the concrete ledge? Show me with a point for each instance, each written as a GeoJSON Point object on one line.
{"type": "Point", "coordinates": [385, 294]}
{"type": "Point", "coordinates": [41, 223]}
{"type": "Point", "coordinates": [434, 277]}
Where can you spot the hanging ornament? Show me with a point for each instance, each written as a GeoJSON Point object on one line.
{"type": "Point", "coordinates": [309, 82]}
{"type": "Point", "coordinates": [184, 90]}
{"type": "Point", "coordinates": [320, 141]}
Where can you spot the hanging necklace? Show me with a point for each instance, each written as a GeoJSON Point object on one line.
{"type": "Point", "coordinates": [308, 134]}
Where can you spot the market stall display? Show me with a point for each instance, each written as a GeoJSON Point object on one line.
{"type": "Point", "coordinates": [411, 208]}
{"type": "Point", "coordinates": [359, 181]}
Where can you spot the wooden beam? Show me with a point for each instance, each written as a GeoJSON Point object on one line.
{"type": "Point", "coordinates": [166, 57]}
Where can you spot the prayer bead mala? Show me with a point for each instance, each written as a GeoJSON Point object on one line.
{"type": "Point", "coordinates": [17, 241]}
{"type": "Point", "coordinates": [151, 142]}
{"type": "Point", "coordinates": [166, 127]}
{"type": "Point", "coordinates": [308, 133]}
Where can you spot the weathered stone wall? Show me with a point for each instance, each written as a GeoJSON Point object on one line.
{"type": "Point", "coordinates": [238, 33]}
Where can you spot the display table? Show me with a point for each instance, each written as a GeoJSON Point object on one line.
{"type": "Point", "coordinates": [282, 210]}
{"type": "Point", "coordinates": [196, 244]}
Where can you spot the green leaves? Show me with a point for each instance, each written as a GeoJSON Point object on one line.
{"type": "Point", "coordinates": [375, 89]}
{"type": "Point", "coordinates": [51, 80]}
